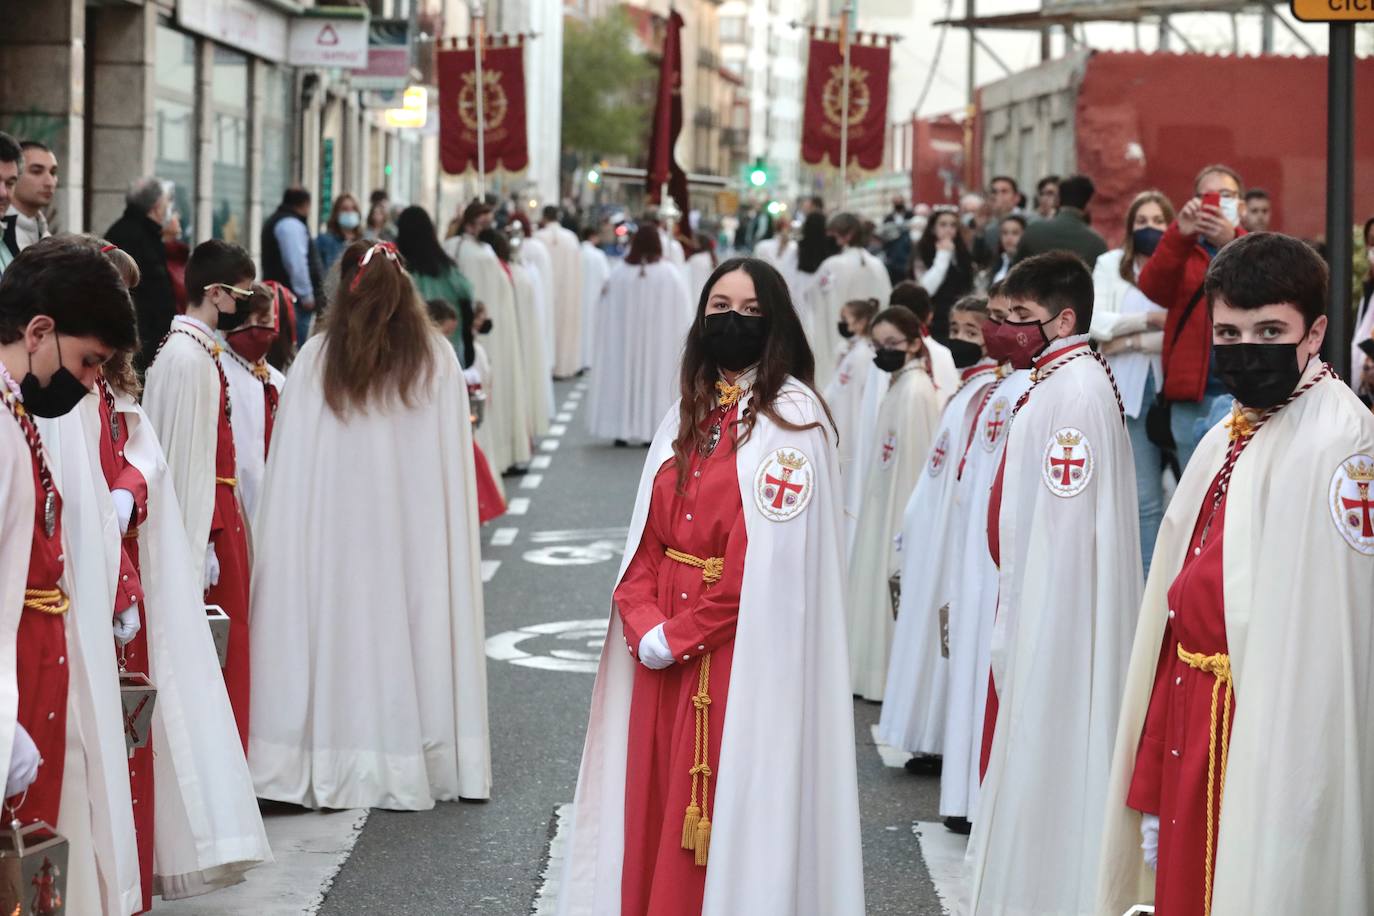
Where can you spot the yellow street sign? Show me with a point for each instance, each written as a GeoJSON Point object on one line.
{"type": "Point", "coordinates": [1334, 10]}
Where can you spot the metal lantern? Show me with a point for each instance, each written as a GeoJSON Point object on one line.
{"type": "Point", "coordinates": [477, 404]}
{"type": "Point", "coordinates": [894, 590]}
{"type": "Point", "coordinates": [944, 631]}
{"type": "Point", "coordinates": [138, 694]}
{"type": "Point", "coordinates": [33, 870]}
{"type": "Point", "coordinates": [219, 630]}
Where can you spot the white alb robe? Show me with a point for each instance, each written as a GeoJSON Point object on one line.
{"type": "Point", "coordinates": [537, 379]}
{"type": "Point", "coordinates": [865, 427]}
{"type": "Point", "coordinates": [250, 423]}
{"type": "Point", "coordinates": [906, 427]}
{"type": "Point", "coordinates": [1069, 594]}
{"type": "Point", "coordinates": [535, 253]}
{"type": "Point", "coordinates": [785, 819]}
{"type": "Point", "coordinates": [970, 630]}
{"type": "Point", "coordinates": [913, 716]}
{"type": "Point", "coordinates": [845, 397]}
{"type": "Point", "coordinates": [1297, 814]}
{"type": "Point", "coordinates": [851, 274]}
{"type": "Point", "coordinates": [596, 267]}
{"type": "Point", "coordinates": [942, 369]}
{"type": "Point", "coordinates": [504, 434]}
{"type": "Point", "coordinates": [645, 314]}
{"type": "Point", "coordinates": [370, 687]}
{"type": "Point", "coordinates": [565, 252]}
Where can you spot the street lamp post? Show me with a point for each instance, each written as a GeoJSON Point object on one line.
{"type": "Point", "coordinates": [478, 17]}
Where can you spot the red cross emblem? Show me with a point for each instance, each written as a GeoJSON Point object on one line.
{"type": "Point", "coordinates": [1068, 462]}
{"type": "Point", "coordinates": [889, 448]}
{"type": "Point", "coordinates": [1354, 513]}
{"type": "Point", "coordinates": [993, 425]}
{"type": "Point", "coordinates": [1066, 465]}
{"type": "Point", "coordinates": [783, 485]}
{"type": "Point", "coordinates": [1363, 505]}
{"type": "Point", "coordinates": [938, 453]}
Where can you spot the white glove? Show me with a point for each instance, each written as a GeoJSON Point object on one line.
{"type": "Point", "coordinates": [653, 650]}
{"type": "Point", "coordinates": [126, 625]}
{"type": "Point", "coordinates": [211, 567]}
{"type": "Point", "coordinates": [124, 507]}
{"type": "Point", "coordinates": [1149, 839]}
{"type": "Point", "coordinates": [24, 761]}
{"type": "Point", "coordinates": [472, 376]}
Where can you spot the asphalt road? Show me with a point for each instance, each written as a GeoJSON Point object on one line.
{"type": "Point", "coordinates": [558, 565]}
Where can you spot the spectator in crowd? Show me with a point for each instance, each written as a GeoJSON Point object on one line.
{"type": "Point", "coordinates": [436, 275]}
{"type": "Point", "coordinates": [290, 257]}
{"type": "Point", "coordinates": [1129, 331]}
{"type": "Point", "coordinates": [11, 163]}
{"type": "Point", "coordinates": [900, 212]}
{"type": "Point", "coordinates": [1259, 211]}
{"type": "Point", "coordinates": [1011, 229]}
{"type": "Point", "coordinates": [178, 253]}
{"type": "Point", "coordinates": [32, 195]}
{"type": "Point", "coordinates": [1068, 230]}
{"type": "Point", "coordinates": [379, 226]}
{"type": "Point", "coordinates": [813, 204]}
{"type": "Point", "coordinates": [1364, 318]}
{"type": "Point", "coordinates": [1046, 198]}
{"type": "Point", "coordinates": [973, 222]}
{"type": "Point", "coordinates": [944, 267]}
{"type": "Point", "coordinates": [1003, 198]}
{"type": "Point", "coordinates": [345, 227]}
{"type": "Point", "coordinates": [1173, 277]}
{"type": "Point", "coordinates": [139, 233]}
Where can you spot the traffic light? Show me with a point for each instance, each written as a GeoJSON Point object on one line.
{"type": "Point", "coordinates": [593, 176]}
{"type": "Point", "coordinates": [758, 175]}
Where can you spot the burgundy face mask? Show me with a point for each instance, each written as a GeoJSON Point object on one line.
{"type": "Point", "coordinates": [1017, 342]}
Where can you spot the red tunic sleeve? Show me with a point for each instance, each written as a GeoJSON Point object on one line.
{"type": "Point", "coordinates": [130, 478]}
{"type": "Point", "coordinates": [1148, 778]}
{"type": "Point", "coordinates": [710, 622]}
{"type": "Point", "coordinates": [637, 595]}
{"type": "Point", "coordinates": [129, 588]}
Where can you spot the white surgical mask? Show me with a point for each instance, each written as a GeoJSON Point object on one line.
{"type": "Point", "coordinates": [350, 219]}
{"type": "Point", "coordinates": [1230, 208]}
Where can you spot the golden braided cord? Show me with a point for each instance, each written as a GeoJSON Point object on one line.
{"type": "Point", "coordinates": [1219, 666]}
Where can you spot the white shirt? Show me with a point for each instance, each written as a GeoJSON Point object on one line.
{"type": "Point", "coordinates": [28, 229]}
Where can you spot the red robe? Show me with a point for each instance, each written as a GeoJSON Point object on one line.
{"type": "Point", "coordinates": [41, 665]}
{"type": "Point", "coordinates": [121, 475]}
{"type": "Point", "coordinates": [490, 505]}
{"type": "Point", "coordinates": [660, 877]}
{"type": "Point", "coordinates": [231, 547]}
{"type": "Point", "coordinates": [995, 551]}
{"type": "Point", "coordinates": [1170, 778]}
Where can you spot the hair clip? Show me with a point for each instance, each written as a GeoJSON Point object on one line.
{"type": "Point", "coordinates": [106, 249]}
{"type": "Point", "coordinates": [386, 248]}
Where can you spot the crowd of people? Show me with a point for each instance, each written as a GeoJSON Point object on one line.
{"type": "Point", "coordinates": [983, 478]}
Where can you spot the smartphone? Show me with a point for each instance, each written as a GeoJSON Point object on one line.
{"type": "Point", "coordinates": [1212, 200]}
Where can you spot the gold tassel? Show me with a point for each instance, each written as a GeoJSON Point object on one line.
{"type": "Point", "coordinates": [703, 838]}
{"type": "Point", "coordinates": [689, 827]}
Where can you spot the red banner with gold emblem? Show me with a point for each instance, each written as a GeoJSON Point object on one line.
{"type": "Point", "coordinates": [503, 103]}
{"type": "Point", "coordinates": [868, 74]}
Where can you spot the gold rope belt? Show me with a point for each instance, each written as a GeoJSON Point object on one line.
{"type": "Point", "coordinates": [47, 600]}
{"type": "Point", "coordinates": [696, 823]}
{"type": "Point", "coordinates": [1219, 666]}
{"type": "Point", "coordinates": [228, 481]}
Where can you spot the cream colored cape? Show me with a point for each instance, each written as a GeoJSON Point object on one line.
{"type": "Point", "coordinates": [942, 369]}
{"type": "Point", "coordinates": [535, 253]}
{"type": "Point", "coordinates": [1296, 833]}
{"type": "Point", "coordinates": [907, 421]}
{"type": "Point", "coordinates": [851, 274]}
{"type": "Point", "coordinates": [565, 251]}
{"type": "Point", "coordinates": [845, 397]}
{"type": "Point", "coordinates": [537, 379]}
{"type": "Point", "coordinates": [369, 667]}
{"type": "Point", "coordinates": [1070, 588]}
{"type": "Point", "coordinates": [785, 836]}
{"type": "Point", "coordinates": [596, 267]}
{"type": "Point", "coordinates": [249, 424]}
{"type": "Point", "coordinates": [932, 539]}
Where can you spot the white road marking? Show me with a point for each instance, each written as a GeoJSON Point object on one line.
{"type": "Point", "coordinates": [564, 417]}
{"type": "Point", "coordinates": [573, 554]}
{"type": "Point", "coordinates": [541, 462]}
{"type": "Point", "coordinates": [581, 386]}
{"type": "Point", "coordinates": [518, 506]}
{"type": "Point", "coordinates": [309, 848]}
{"type": "Point", "coordinates": [550, 445]}
{"type": "Point", "coordinates": [892, 757]}
{"type": "Point", "coordinates": [531, 481]}
{"type": "Point", "coordinates": [578, 534]}
{"type": "Point", "coordinates": [562, 645]}
{"type": "Point", "coordinates": [943, 852]}
{"type": "Point", "coordinates": [576, 393]}
{"type": "Point", "coordinates": [546, 901]}
{"type": "Point", "coordinates": [489, 568]}
{"type": "Point", "coordinates": [557, 430]}
{"type": "Point", "coordinates": [504, 537]}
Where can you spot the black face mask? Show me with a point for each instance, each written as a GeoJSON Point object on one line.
{"type": "Point", "coordinates": [733, 341]}
{"type": "Point", "coordinates": [62, 393]}
{"type": "Point", "coordinates": [228, 321]}
{"type": "Point", "coordinates": [844, 330]}
{"type": "Point", "coordinates": [889, 360]}
{"type": "Point", "coordinates": [484, 327]}
{"type": "Point", "coordinates": [1259, 375]}
{"type": "Point", "coordinates": [965, 352]}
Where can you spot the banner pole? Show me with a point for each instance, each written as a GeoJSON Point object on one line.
{"type": "Point", "coordinates": [480, 90]}
{"type": "Point", "coordinates": [844, 106]}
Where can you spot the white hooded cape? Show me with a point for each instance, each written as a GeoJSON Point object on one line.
{"type": "Point", "coordinates": [565, 252]}
{"type": "Point", "coordinates": [535, 254]}
{"type": "Point", "coordinates": [906, 429]}
{"type": "Point", "coordinates": [845, 397]}
{"type": "Point", "coordinates": [249, 424]}
{"type": "Point", "coordinates": [368, 656]}
{"type": "Point", "coordinates": [645, 315]}
{"type": "Point", "coordinates": [504, 433]}
{"type": "Point", "coordinates": [785, 834]}
{"type": "Point", "coordinates": [913, 716]}
{"type": "Point", "coordinates": [1070, 590]}
{"type": "Point", "coordinates": [538, 381]}
{"type": "Point", "coordinates": [942, 369]}
{"type": "Point", "coordinates": [970, 630]}
{"type": "Point", "coordinates": [851, 274]}
{"type": "Point", "coordinates": [97, 809]}
{"type": "Point", "coordinates": [596, 267]}
{"type": "Point", "coordinates": [1296, 833]}
{"type": "Point", "coordinates": [207, 830]}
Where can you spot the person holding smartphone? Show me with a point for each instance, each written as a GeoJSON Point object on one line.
{"type": "Point", "coordinates": [1173, 278]}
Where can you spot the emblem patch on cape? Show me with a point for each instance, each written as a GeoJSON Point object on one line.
{"type": "Point", "coordinates": [1068, 462]}
{"type": "Point", "coordinates": [995, 423]}
{"type": "Point", "coordinates": [888, 450]}
{"type": "Point", "coordinates": [1352, 509]}
{"type": "Point", "coordinates": [784, 485]}
{"type": "Point", "coordinates": [939, 454]}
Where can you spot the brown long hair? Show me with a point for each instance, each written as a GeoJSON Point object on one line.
{"type": "Point", "coordinates": [380, 338]}
{"type": "Point", "coordinates": [119, 368]}
{"type": "Point", "coordinates": [1127, 267]}
{"type": "Point", "coordinates": [333, 227]}
{"type": "Point", "coordinates": [785, 353]}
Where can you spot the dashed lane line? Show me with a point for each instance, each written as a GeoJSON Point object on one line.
{"type": "Point", "coordinates": [504, 537]}
{"type": "Point", "coordinates": [531, 481]}
{"type": "Point", "coordinates": [518, 506]}
{"type": "Point", "coordinates": [541, 462]}
{"type": "Point", "coordinates": [489, 568]}
{"type": "Point", "coordinates": [550, 445]}
{"type": "Point", "coordinates": [558, 429]}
